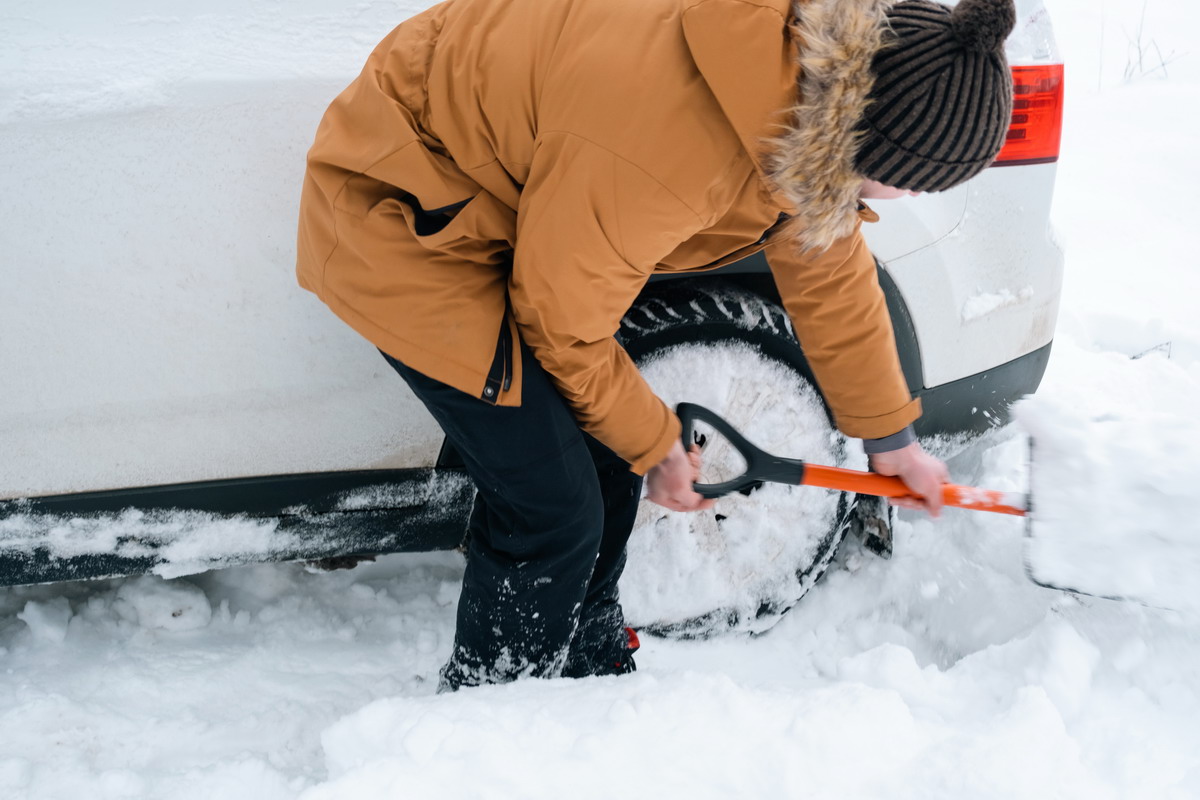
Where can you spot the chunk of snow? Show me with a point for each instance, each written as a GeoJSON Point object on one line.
{"type": "Point", "coordinates": [151, 602]}
{"type": "Point", "coordinates": [984, 303]}
{"type": "Point", "coordinates": [47, 620]}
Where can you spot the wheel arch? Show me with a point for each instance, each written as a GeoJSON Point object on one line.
{"type": "Point", "coordinates": [753, 275]}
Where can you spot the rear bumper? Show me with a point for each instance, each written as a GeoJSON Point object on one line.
{"type": "Point", "coordinates": [980, 402]}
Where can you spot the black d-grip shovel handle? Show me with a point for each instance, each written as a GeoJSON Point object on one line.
{"type": "Point", "coordinates": [760, 465]}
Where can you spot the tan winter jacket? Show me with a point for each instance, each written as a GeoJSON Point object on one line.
{"type": "Point", "coordinates": [507, 168]}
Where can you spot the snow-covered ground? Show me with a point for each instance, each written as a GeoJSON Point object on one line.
{"type": "Point", "coordinates": [940, 673]}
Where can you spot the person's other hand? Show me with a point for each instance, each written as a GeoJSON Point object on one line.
{"type": "Point", "coordinates": [921, 473]}
{"type": "Point", "coordinates": [669, 483]}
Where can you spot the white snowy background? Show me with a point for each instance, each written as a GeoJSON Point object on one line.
{"type": "Point", "coordinates": [940, 673]}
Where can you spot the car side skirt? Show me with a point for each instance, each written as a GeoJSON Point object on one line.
{"type": "Point", "coordinates": [187, 528]}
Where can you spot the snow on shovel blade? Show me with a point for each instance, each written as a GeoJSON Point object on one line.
{"type": "Point", "coordinates": [1114, 505]}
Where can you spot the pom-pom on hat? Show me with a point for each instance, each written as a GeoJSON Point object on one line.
{"type": "Point", "coordinates": [941, 103]}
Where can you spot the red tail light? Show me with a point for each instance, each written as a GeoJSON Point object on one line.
{"type": "Point", "coordinates": [1036, 130]}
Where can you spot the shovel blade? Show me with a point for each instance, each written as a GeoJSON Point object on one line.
{"type": "Point", "coordinates": [1096, 528]}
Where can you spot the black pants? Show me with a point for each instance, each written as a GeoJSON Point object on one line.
{"type": "Point", "coordinates": [546, 540]}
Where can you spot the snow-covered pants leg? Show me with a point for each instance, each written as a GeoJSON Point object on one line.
{"type": "Point", "coordinates": [547, 533]}
{"type": "Point", "coordinates": [601, 645]}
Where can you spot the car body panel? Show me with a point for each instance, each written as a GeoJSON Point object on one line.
{"type": "Point", "coordinates": [149, 335]}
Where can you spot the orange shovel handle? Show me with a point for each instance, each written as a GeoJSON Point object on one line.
{"type": "Point", "coordinates": [849, 480]}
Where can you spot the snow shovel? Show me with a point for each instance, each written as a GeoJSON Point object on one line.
{"type": "Point", "coordinates": [1148, 567]}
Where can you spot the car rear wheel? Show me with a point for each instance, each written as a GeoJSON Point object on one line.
{"type": "Point", "coordinates": [743, 564]}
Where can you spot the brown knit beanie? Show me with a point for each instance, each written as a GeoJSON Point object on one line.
{"type": "Point", "coordinates": [941, 104]}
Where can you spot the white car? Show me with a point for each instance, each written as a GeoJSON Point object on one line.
{"type": "Point", "coordinates": [172, 401]}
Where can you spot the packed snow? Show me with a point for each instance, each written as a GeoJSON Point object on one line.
{"type": "Point", "coordinates": [942, 672]}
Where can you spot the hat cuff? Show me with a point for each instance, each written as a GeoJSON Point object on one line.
{"type": "Point", "coordinates": [892, 164]}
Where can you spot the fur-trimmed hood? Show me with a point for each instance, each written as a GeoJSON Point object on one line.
{"type": "Point", "coordinates": [812, 162]}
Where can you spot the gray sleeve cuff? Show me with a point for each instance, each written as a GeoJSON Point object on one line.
{"type": "Point", "coordinates": [889, 443]}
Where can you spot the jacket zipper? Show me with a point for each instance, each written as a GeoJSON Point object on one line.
{"type": "Point", "coordinates": [500, 374]}
{"type": "Point", "coordinates": [509, 355]}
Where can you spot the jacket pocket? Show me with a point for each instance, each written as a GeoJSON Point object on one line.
{"type": "Point", "coordinates": [428, 223]}
{"type": "Point", "coordinates": [480, 229]}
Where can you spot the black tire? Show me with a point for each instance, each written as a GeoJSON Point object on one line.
{"type": "Point", "coordinates": [671, 326]}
